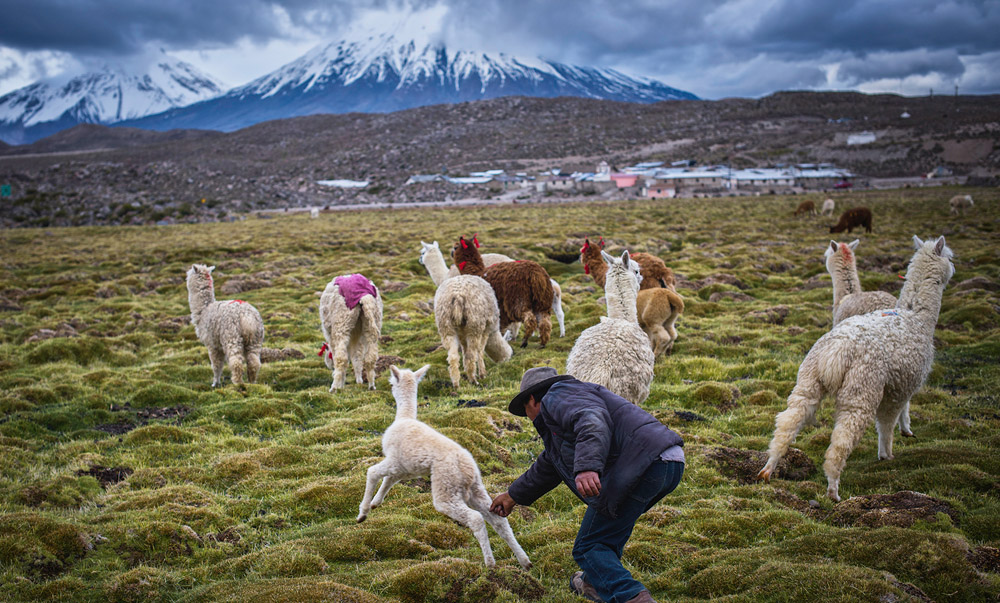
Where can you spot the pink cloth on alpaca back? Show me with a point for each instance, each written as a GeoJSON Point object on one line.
{"type": "Point", "coordinates": [353, 287]}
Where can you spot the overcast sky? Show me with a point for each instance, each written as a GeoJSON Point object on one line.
{"type": "Point", "coordinates": [713, 48]}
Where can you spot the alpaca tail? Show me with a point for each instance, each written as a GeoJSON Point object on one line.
{"type": "Point", "coordinates": [371, 312]}
{"type": "Point", "coordinates": [676, 305]}
{"type": "Point", "coordinates": [251, 327]}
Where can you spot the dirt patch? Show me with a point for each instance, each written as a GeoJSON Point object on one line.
{"type": "Point", "coordinates": [806, 507]}
{"type": "Point", "coordinates": [900, 509]}
{"type": "Point", "coordinates": [229, 535]}
{"type": "Point", "coordinates": [733, 295]}
{"type": "Point", "coordinates": [173, 325]}
{"type": "Point", "coordinates": [383, 362]}
{"type": "Point", "coordinates": [686, 415]}
{"type": "Point", "coordinates": [393, 286]}
{"type": "Point", "coordinates": [743, 465]}
{"type": "Point", "coordinates": [239, 284]}
{"type": "Point", "coordinates": [273, 355]}
{"type": "Point", "coordinates": [147, 414]}
{"type": "Point", "coordinates": [470, 403]}
{"type": "Point", "coordinates": [107, 476]}
{"type": "Point", "coordinates": [774, 315]}
{"type": "Point", "coordinates": [985, 558]}
{"type": "Point", "coordinates": [115, 428]}
{"type": "Point", "coordinates": [63, 330]}
{"type": "Point", "coordinates": [977, 282]}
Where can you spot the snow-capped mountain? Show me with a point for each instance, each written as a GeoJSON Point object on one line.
{"type": "Point", "coordinates": [385, 71]}
{"type": "Point", "coordinates": [108, 95]}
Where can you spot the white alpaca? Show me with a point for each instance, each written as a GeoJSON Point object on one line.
{"type": "Point", "coordinates": [849, 300]}
{"type": "Point", "coordinates": [433, 260]}
{"type": "Point", "coordinates": [616, 353]}
{"type": "Point", "coordinates": [232, 330]}
{"type": "Point", "coordinates": [959, 203]}
{"type": "Point", "coordinates": [828, 207]}
{"type": "Point", "coordinates": [872, 363]}
{"type": "Point", "coordinates": [468, 320]}
{"type": "Point", "coordinates": [413, 449]}
{"type": "Point", "coordinates": [350, 333]}
{"type": "Point", "coordinates": [467, 317]}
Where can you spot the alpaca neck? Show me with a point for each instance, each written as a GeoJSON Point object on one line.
{"type": "Point", "coordinates": [406, 404]}
{"type": "Point", "coordinates": [598, 269]}
{"type": "Point", "coordinates": [200, 296]}
{"type": "Point", "coordinates": [470, 265]}
{"type": "Point", "coordinates": [434, 262]}
{"type": "Point", "coordinates": [923, 298]}
{"type": "Point", "coordinates": [620, 298]}
{"type": "Point", "coordinates": [845, 282]}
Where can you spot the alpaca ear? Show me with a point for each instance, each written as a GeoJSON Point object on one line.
{"type": "Point", "coordinates": [601, 243]}
{"type": "Point", "coordinates": [917, 243]}
{"type": "Point", "coordinates": [625, 258]}
{"type": "Point", "coordinates": [419, 374]}
{"type": "Point", "coordinates": [210, 269]}
{"type": "Point", "coordinates": [462, 241]}
{"type": "Point", "coordinates": [833, 245]}
{"type": "Point", "coordinates": [939, 245]}
{"type": "Point", "coordinates": [608, 259]}
{"type": "Point", "coordinates": [475, 240]}
{"type": "Point", "coordinates": [394, 378]}
{"type": "Point", "coordinates": [424, 245]}
{"type": "Point", "coordinates": [854, 244]}
{"type": "Point", "coordinates": [434, 245]}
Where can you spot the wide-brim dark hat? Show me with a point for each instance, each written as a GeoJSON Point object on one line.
{"type": "Point", "coordinates": [535, 382]}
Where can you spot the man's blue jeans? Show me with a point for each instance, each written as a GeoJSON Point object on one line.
{"type": "Point", "coordinates": [599, 543]}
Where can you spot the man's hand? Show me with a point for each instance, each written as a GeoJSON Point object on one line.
{"type": "Point", "coordinates": [588, 483]}
{"type": "Point", "coordinates": [502, 505]}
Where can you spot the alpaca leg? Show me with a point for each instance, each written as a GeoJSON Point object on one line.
{"type": "Point", "coordinates": [659, 339]}
{"type": "Point", "coordinates": [234, 354]}
{"type": "Point", "coordinates": [253, 363]}
{"type": "Point", "coordinates": [560, 316]}
{"type": "Point", "coordinates": [672, 331]}
{"type": "Point", "coordinates": [376, 472]}
{"type": "Point", "coordinates": [218, 359]}
{"type": "Point", "coordinates": [856, 405]}
{"type": "Point", "coordinates": [371, 358]}
{"type": "Point", "coordinates": [339, 363]}
{"type": "Point", "coordinates": [529, 327]}
{"type": "Point", "coordinates": [387, 482]}
{"type": "Point", "coordinates": [451, 344]}
{"type": "Point", "coordinates": [450, 503]}
{"type": "Point", "coordinates": [544, 328]}
{"type": "Point", "coordinates": [904, 421]}
{"type": "Point", "coordinates": [480, 501]}
{"type": "Point", "coordinates": [475, 346]}
{"type": "Point", "coordinates": [513, 329]}
{"type": "Point", "coordinates": [801, 403]}
{"type": "Point", "coordinates": [889, 412]}
{"type": "Point", "coordinates": [469, 359]}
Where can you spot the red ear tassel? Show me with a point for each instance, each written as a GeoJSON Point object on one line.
{"type": "Point", "coordinates": [601, 242]}
{"type": "Point", "coordinates": [464, 244]}
{"type": "Point", "coordinates": [322, 349]}
{"type": "Point", "coordinates": [461, 266]}
{"type": "Point", "coordinates": [475, 240]}
{"type": "Point", "coordinates": [586, 245]}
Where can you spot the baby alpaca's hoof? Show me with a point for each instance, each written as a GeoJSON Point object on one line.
{"type": "Point", "coordinates": [524, 343]}
{"type": "Point", "coordinates": [764, 475]}
{"type": "Point", "coordinates": [885, 457]}
{"type": "Point", "coordinates": [908, 434]}
{"type": "Point", "coordinates": [834, 496]}
{"type": "Point", "coordinates": [361, 518]}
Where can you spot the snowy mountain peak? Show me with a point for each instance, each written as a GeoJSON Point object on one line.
{"type": "Point", "coordinates": [108, 94]}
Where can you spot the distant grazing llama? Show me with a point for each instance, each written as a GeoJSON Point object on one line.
{"type": "Point", "coordinates": [616, 353]}
{"type": "Point", "coordinates": [657, 311]}
{"type": "Point", "coordinates": [350, 314]}
{"type": "Point", "coordinates": [806, 207]}
{"type": "Point", "coordinates": [654, 273]}
{"type": "Point", "coordinates": [467, 318]}
{"type": "Point", "coordinates": [232, 330]}
{"type": "Point", "coordinates": [854, 218]}
{"type": "Point", "coordinates": [828, 207]}
{"type": "Point", "coordinates": [872, 363]}
{"type": "Point", "coordinates": [523, 289]}
{"type": "Point", "coordinates": [960, 203]}
{"type": "Point", "coordinates": [414, 449]}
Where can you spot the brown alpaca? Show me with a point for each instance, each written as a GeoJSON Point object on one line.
{"type": "Point", "coordinates": [806, 207]}
{"type": "Point", "coordinates": [653, 271]}
{"type": "Point", "coordinates": [523, 289]}
{"type": "Point", "coordinates": [657, 311]}
{"type": "Point", "coordinates": [854, 218]}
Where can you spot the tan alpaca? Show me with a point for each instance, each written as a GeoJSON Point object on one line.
{"type": "Point", "coordinates": [657, 311]}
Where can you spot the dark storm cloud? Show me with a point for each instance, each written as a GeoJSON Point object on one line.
{"type": "Point", "coordinates": [109, 27]}
{"type": "Point", "coordinates": [901, 64]}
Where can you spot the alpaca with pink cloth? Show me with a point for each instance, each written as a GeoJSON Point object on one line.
{"type": "Point", "coordinates": [353, 287]}
{"type": "Point", "coordinates": [350, 314]}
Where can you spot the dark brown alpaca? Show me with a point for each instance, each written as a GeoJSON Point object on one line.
{"type": "Point", "coordinates": [655, 273]}
{"type": "Point", "coordinates": [854, 218]}
{"type": "Point", "coordinates": [523, 289]}
{"type": "Point", "coordinates": [806, 207]}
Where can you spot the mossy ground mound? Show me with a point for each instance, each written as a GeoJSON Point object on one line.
{"type": "Point", "coordinates": [251, 494]}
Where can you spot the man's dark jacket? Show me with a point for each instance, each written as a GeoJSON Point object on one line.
{"type": "Point", "coordinates": [585, 427]}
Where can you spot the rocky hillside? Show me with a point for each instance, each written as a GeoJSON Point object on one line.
{"type": "Point", "coordinates": [146, 177]}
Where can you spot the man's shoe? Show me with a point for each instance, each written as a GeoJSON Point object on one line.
{"type": "Point", "coordinates": [585, 589]}
{"type": "Point", "coordinates": [642, 597]}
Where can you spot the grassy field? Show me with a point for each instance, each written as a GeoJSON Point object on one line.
{"type": "Point", "coordinates": [126, 477]}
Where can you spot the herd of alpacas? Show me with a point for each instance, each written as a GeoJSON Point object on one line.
{"type": "Point", "coordinates": [877, 354]}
